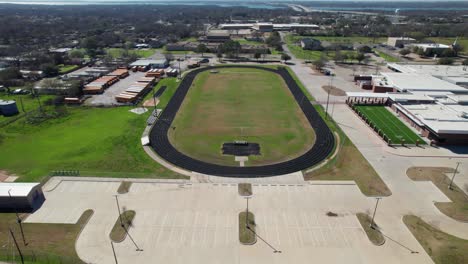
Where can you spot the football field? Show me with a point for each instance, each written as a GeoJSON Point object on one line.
{"type": "Point", "coordinates": [389, 124]}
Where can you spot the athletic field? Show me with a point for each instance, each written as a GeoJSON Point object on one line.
{"type": "Point", "coordinates": [389, 124]}
{"type": "Point", "coordinates": [241, 104]}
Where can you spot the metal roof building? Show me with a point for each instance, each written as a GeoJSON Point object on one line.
{"type": "Point", "coordinates": [20, 197]}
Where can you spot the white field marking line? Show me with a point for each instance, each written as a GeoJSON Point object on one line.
{"type": "Point", "coordinates": [298, 229]}
{"type": "Point", "coordinates": [182, 230]}
{"type": "Point", "coordinates": [276, 220]}
{"type": "Point", "coordinates": [162, 228]}
{"type": "Point", "coordinates": [345, 239]}
{"type": "Point", "coordinates": [194, 229]}
{"type": "Point", "coordinates": [371, 114]}
{"type": "Point", "coordinates": [215, 228]}
{"type": "Point", "coordinates": [402, 124]}
{"type": "Point", "coordinates": [388, 118]}
{"type": "Point", "coordinates": [205, 230]}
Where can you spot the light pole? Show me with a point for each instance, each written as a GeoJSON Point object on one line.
{"type": "Point", "coordinates": [113, 250]}
{"type": "Point", "coordinates": [247, 212]}
{"type": "Point", "coordinates": [328, 100]}
{"type": "Point", "coordinates": [17, 247]}
{"type": "Point", "coordinates": [453, 177]}
{"type": "Point", "coordinates": [18, 219]}
{"type": "Point", "coordinates": [375, 210]}
{"type": "Point", "coordinates": [118, 209]}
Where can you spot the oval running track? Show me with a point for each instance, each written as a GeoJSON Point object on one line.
{"type": "Point", "coordinates": [159, 141]}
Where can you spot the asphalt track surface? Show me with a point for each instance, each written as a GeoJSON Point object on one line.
{"type": "Point", "coordinates": [322, 148]}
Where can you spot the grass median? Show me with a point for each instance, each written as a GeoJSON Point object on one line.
{"type": "Point", "coordinates": [373, 233]}
{"type": "Point", "coordinates": [458, 207]}
{"type": "Point", "coordinates": [46, 243]}
{"type": "Point", "coordinates": [121, 226]}
{"type": "Point", "coordinates": [247, 234]}
{"type": "Point", "coordinates": [441, 247]}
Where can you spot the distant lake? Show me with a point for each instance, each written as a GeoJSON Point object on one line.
{"type": "Point", "coordinates": [249, 4]}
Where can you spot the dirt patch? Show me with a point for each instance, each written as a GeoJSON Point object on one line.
{"type": "Point", "coordinates": [333, 90]}
{"type": "Point", "coordinates": [150, 103]}
{"type": "Point", "coordinates": [4, 175]}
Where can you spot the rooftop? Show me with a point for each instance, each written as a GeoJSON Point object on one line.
{"type": "Point", "coordinates": [420, 82]}
{"type": "Point", "coordinates": [435, 70]}
{"type": "Point", "coordinates": [16, 189]}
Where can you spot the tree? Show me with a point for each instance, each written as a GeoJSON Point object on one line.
{"type": "Point", "coordinates": [365, 49]}
{"type": "Point", "coordinates": [76, 54]}
{"type": "Point", "coordinates": [231, 47]}
{"type": "Point", "coordinates": [219, 54]}
{"type": "Point", "coordinates": [169, 56]}
{"type": "Point", "coordinates": [50, 70]}
{"type": "Point", "coordinates": [285, 57]}
{"type": "Point", "coordinates": [257, 55]}
{"type": "Point", "coordinates": [445, 61]}
{"type": "Point", "coordinates": [319, 64]}
{"type": "Point", "coordinates": [360, 57]}
{"type": "Point", "coordinates": [201, 48]}
{"type": "Point", "coordinates": [404, 52]}
{"type": "Point", "coordinates": [339, 56]}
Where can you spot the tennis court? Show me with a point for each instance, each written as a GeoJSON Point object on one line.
{"type": "Point", "coordinates": [392, 127]}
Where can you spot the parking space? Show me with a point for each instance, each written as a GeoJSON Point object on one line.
{"type": "Point", "coordinates": [108, 97]}
{"type": "Point", "coordinates": [187, 222]}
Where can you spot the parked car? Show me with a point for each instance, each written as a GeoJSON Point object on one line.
{"type": "Point", "coordinates": [205, 60]}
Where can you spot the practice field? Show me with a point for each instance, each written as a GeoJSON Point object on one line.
{"type": "Point", "coordinates": [241, 104]}
{"type": "Point", "coordinates": [390, 125]}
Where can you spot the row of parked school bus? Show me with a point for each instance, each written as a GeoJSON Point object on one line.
{"type": "Point", "coordinates": [100, 84]}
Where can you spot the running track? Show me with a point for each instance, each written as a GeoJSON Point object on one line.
{"type": "Point", "coordinates": [322, 148]}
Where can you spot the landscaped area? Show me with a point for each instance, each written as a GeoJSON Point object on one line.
{"type": "Point", "coordinates": [247, 228]}
{"type": "Point", "coordinates": [121, 226]}
{"type": "Point", "coordinates": [171, 86]}
{"type": "Point", "coordinates": [241, 104]}
{"type": "Point", "coordinates": [291, 42]}
{"type": "Point", "coordinates": [387, 57]}
{"type": "Point", "coordinates": [443, 248]}
{"type": "Point", "coordinates": [140, 53]}
{"type": "Point", "coordinates": [97, 141]}
{"type": "Point", "coordinates": [67, 68]}
{"type": "Point", "coordinates": [371, 229]}
{"type": "Point", "coordinates": [391, 127]}
{"type": "Point", "coordinates": [350, 165]}
{"type": "Point", "coordinates": [46, 243]}
{"type": "Point", "coordinates": [458, 208]}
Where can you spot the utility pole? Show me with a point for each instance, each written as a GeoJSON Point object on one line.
{"type": "Point", "coordinates": [453, 177]}
{"type": "Point", "coordinates": [154, 98]}
{"type": "Point", "coordinates": [375, 210]}
{"type": "Point", "coordinates": [17, 247]}
{"type": "Point", "coordinates": [18, 219]}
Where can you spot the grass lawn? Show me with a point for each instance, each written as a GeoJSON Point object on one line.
{"type": "Point", "coordinates": [97, 141]}
{"type": "Point", "coordinates": [26, 101]}
{"type": "Point", "coordinates": [141, 53]}
{"type": "Point", "coordinates": [67, 68]}
{"type": "Point", "coordinates": [441, 247]}
{"type": "Point", "coordinates": [373, 234]}
{"type": "Point", "coordinates": [241, 104]}
{"type": "Point", "coordinates": [118, 232]}
{"type": "Point", "coordinates": [124, 187]}
{"type": "Point", "coordinates": [53, 242]}
{"type": "Point", "coordinates": [389, 124]}
{"type": "Point", "coordinates": [246, 236]}
{"type": "Point", "coordinates": [387, 57]}
{"type": "Point", "coordinates": [171, 86]}
{"type": "Point", "coordinates": [458, 208]}
{"type": "Point", "coordinates": [349, 164]}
